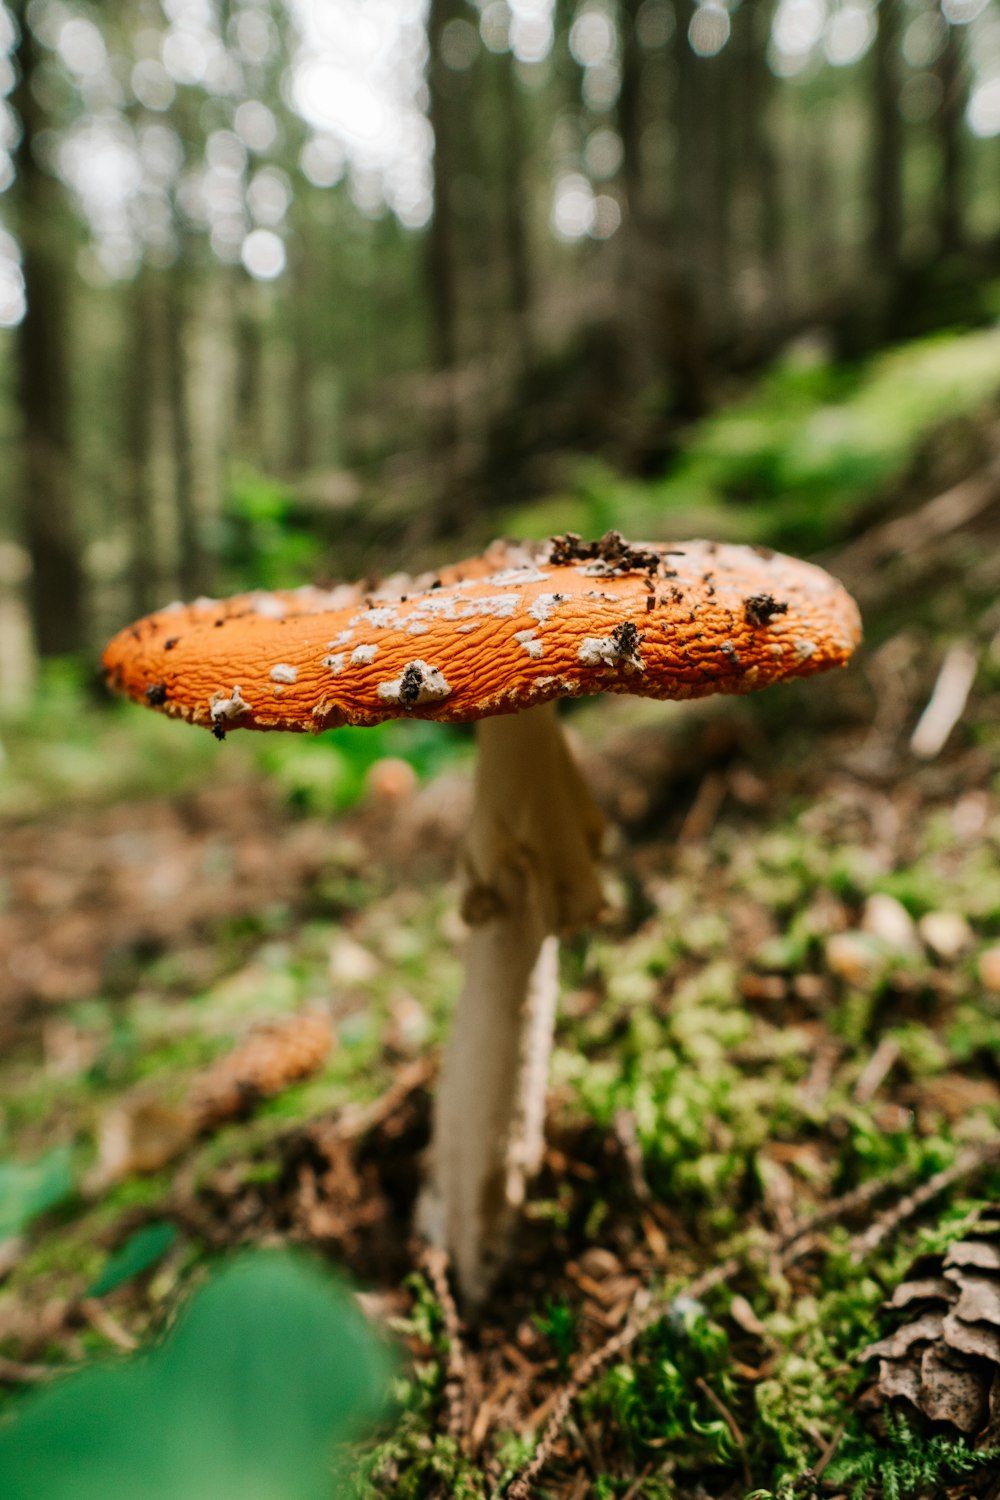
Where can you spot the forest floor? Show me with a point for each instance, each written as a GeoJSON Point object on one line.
{"type": "Point", "coordinates": [787, 1019]}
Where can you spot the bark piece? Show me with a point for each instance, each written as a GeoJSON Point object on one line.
{"type": "Point", "coordinates": [950, 1392]}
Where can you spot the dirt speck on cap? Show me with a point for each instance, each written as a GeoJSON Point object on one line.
{"type": "Point", "coordinates": [760, 609]}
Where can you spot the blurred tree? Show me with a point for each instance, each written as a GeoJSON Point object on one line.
{"type": "Point", "coordinates": [138, 399]}
{"type": "Point", "coordinates": [954, 97]}
{"type": "Point", "coordinates": [192, 569]}
{"type": "Point", "coordinates": [441, 261]}
{"type": "Point", "coordinates": [631, 199]}
{"type": "Point", "coordinates": [515, 190]}
{"type": "Point", "coordinates": [752, 26]}
{"type": "Point", "coordinates": [48, 499]}
{"type": "Point", "coordinates": [887, 142]}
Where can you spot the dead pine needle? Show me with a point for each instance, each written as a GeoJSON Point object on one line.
{"type": "Point", "coordinates": [434, 1263]}
{"type": "Point", "coordinates": [968, 1162]}
{"type": "Point", "coordinates": [946, 704]}
{"type": "Point", "coordinates": [13, 1372]}
{"type": "Point", "coordinates": [735, 1431]}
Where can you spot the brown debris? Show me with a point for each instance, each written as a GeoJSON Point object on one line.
{"type": "Point", "coordinates": [274, 1055]}
{"type": "Point", "coordinates": [611, 549]}
{"type": "Point", "coordinates": [145, 1133]}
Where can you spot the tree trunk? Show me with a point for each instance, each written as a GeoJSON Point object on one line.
{"type": "Point", "coordinates": [138, 395]}
{"type": "Point", "coordinates": [761, 154]}
{"type": "Point", "coordinates": [887, 155]}
{"type": "Point", "coordinates": [690, 163]}
{"type": "Point", "coordinates": [630, 120]}
{"type": "Point", "coordinates": [249, 396]}
{"type": "Point", "coordinates": [719, 83]}
{"type": "Point", "coordinates": [681, 291]}
{"type": "Point", "coordinates": [821, 217]}
{"type": "Point", "coordinates": [638, 264]}
{"type": "Point", "coordinates": [191, 559]}
{"type": "Point", "coordinates": [56, 589]}
{"type": "Point", "coordinates": [439, 264]}
{"type": "Point", "coordinates": [949, 123]}
{"type": "Point", "coordinates": [441, 274]}
{"type": "Point", "coordinates": [516, 200]}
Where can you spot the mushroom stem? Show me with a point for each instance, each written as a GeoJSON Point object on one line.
{"type": "Point", "coordinates": [530, 863]}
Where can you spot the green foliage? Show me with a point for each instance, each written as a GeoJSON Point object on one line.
{"type": "Point", "coordinates": [903, 1464]}
{"type": "Point", "coordinates": [69, 743]}
{"type": "Point", "coordinates": [326, 773]}
{"type": "Point", "coordinates": [558, 1323]}
{"type": "Point", "coordinates": [263, 539]}
{"type": "Point", "coordinates": [30, 1189]}
{"type": "Point", "coordinates": [795, 462]}
{"type": "Point", "coordinates": [141, 1252]}
{"type": "Point", "coordinates": [656, 1401]}
{"type": "Point", "coordinates": [812, 1377]}
{"type": "Point", "coordinates": [268, 1368]}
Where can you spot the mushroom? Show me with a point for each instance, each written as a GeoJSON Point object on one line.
{"type": "Point", "coordinates": [498, 640]}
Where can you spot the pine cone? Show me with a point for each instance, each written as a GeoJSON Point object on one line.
{"type": "Point", "coordinates": [943, 1361]}
{"type": "Point", "coordinates": [273, 1056]}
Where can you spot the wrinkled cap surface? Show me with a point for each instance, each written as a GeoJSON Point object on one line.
{"type": "Point", "coordinates": [520, 625]}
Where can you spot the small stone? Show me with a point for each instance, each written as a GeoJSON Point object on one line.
{"type": "Point", "coordinates": [853, 957]}
{"type": "Point", "coordinates": [390, 779]}
{"type": "Point", "coordinates": [812, 989]}
{"type": "Point", "coordinates": [989, 969]}
{"type": "Point", "coordinates": [887, 919]}
{"type": "Point", "coordinates": [350, 963]}
{"type": "Point", "coordinates": [947, 934]}
{"type": "Point", "coordinates": [767, 988]}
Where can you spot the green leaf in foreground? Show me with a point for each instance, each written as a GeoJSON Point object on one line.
{"type": "Point", "coordinates": [268, 1368]}
{"type": "Point", "coordinates": [27, 1190]}
{"type": "Point", "coordinates": [139, 1253]}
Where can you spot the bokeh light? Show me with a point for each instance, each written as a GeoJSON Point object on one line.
{"type": "Point", "coordinates": [962, 12]}
{"type": "Point", "coordinates": [12, 305]}
{"type": "Point", "coordinates": [603, 153]}
{"type": "Point", "coordinates": [357, 77]}
{"type": "Point", "coordinates": [849, 33]}
{"type": "Point", "coordinates": [924, 39]}
{"type": "Point", "coordinates": [709, 30]}
{"type": "Point", "coordinates": [796, 31]}
{"type": "Point", "coordinates": [531, 29]}
{"type": "Point", "coordinates": [984, 108]}
{"type": "Point", "coordinates": [255, 125]}
{"type": "Point", "coordinates": [459, 44]}
{"type": "Point", "coordinates": [494, 25]}
{"type": "Point", "coordinates": [263, 254]}
{"type": "Point", "coordinates": [572, 207]}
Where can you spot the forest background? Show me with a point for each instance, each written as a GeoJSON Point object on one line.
{"type": "Point", "coordinates": [298, 290]}
{"type": "Point", "coordinates": [317, 290]}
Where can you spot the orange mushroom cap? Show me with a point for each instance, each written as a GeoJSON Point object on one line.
{"type": "Point", "coordinates": [521, 625]}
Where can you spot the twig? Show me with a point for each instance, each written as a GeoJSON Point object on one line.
{"type": "Point", "coordinates": [876, 1070]}
{"type": "Point", "coordinates": [704, 810]}
{"type": "Point", "coordinates": [435, 1265]}
{"type": "Point", "coordinates": [12, 1372]}
{"type": "Point", "coordinates": [850, 1203]}
{"type": "Point", "coordinates": [968, 1162]}
{"type": "Point", "coordinates": [627, 1136]}
{"type": "Point", "coordinates": [106, 1324]}
{"type": "Point", "coordinates": [357, 1120]}
{"type": "Point", "coordinates": [829, 1451]}
{"type": "Point", "coordinates": [945, 514]}
{"type": "Point", "coordinates": [946, 703]}
{"type": "Point", "coordinates": [638, 1483]}
{"type": "Point", "coordinates": [731, 1422]}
